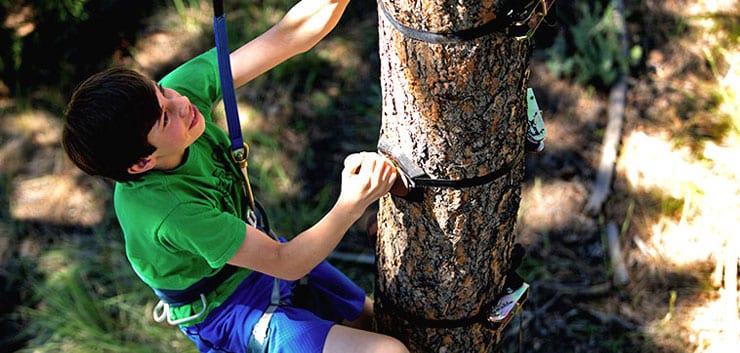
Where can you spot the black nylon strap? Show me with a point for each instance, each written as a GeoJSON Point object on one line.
{"type": "Point", "coordinates": [498, 24]}
{"type": "Point", "coordinates": [513, 280]}
{"type": "Point", "coordinates": [424, 181]}
{"type": "Point", "coordinates": [416, 320]}
{"type": "Point", "coordinates": [178, 297]}
{"type": "Point", "coordinates": [419, 321]}
{"type": "Point", "coordinates": [218, 8]}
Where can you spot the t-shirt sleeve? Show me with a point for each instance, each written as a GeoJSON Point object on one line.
{"type": "Point", "coordinates": [204, 231]}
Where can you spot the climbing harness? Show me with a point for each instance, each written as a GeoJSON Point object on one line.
{"type": "Point", "coordinates": [495, 314]}
{"type": "Point", "coordinates": [239, 151]}
{"type": "Point", "coordinates": [198, 291]}
{"type": "Point", "coordinates": [258, 341]}
{"type": "Point", "coordinates": [255, 216]}
{"type": "Point", "coordinates": [519, 20]}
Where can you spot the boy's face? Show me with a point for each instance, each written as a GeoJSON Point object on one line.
{"type": "Point", "coordinates": [177, 128]}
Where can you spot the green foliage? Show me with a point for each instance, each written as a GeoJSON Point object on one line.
{"type": "Point", "coordinates": [70, 12]}
{"type": "Point", "coordinates": [181, 7]}
{"type": "Point", "coordinates": [294, 216]}
{"type": "Point", "coordinates": [596, 56]}
{"type": "Point", "coordinates": [67, 10]}
{"type": "Point", "coordinates": [59, 43]}
{"type": "Point", "coordinates": [190, 13]}
{"type": "Point", "coordinates": [724, 94]}
{"type": "Point", "coordinates": [268, 175]}
{"type": "Point", "coordinates": [91, 302]}
{"type": "Point", "coordinates": [300, 72]}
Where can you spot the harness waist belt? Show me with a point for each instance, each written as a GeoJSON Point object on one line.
{"type": "Point", "coordinates": [178, 297]}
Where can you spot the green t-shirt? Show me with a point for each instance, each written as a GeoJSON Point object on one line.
{"type": "Point", "coordinates": [184, 224]}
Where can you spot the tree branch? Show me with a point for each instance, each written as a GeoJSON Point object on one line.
{"type": "Point", "coordinates": [610, 145]}
{"type": "Point", "coordinates": [621, 277]}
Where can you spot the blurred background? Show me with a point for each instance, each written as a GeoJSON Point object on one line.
{"type": "Point", "coordinates": [671, 215]}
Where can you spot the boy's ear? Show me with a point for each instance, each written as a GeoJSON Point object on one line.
{"type": "Point", "coordinates": [143, 165]}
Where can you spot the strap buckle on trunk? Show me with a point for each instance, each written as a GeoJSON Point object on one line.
{"type": "Point", "coordinates": [508, 306]}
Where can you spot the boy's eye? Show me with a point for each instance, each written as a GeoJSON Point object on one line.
{"type": "Point", "coordinates": [165, 118]}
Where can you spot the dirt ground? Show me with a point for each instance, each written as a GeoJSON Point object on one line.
{"type": "Point", "coordinates": [675, 296]}
{"type": "Point", "coordinates": [678, 295]}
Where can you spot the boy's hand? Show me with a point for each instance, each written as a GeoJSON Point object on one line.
{"type": "Point", "coordinates": [366, 177]}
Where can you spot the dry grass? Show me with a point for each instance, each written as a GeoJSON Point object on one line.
{"type": "Point", "coordinates": [700, 236]}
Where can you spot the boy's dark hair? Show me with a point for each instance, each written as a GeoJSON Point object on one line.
{"type": "Point", "coordinates": [107, 121]}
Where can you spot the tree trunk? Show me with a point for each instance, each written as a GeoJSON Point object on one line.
{"type": "Point", "coordinates": [457, 110]}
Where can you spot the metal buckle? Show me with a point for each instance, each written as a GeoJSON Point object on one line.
{"type": "Point", "coordinates": [240, 155]}
{"type": "Point", "coordinates": [252, 218]}
{"type": "Point", "coordinates": [526, 18]}
{"type": "Point", "coordinates": [507, 306]}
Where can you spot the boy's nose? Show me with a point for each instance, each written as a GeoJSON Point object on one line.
{"type": "Point", "coordinates": [183, 106]}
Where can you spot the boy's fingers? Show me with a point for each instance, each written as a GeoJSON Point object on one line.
{"type": "Point", "coordinates": [368, 166]}
{"type": "Point", "coordinates": [353, 162]}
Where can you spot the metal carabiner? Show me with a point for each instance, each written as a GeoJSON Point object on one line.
{"type": "Point", "coordinates": [239, 156]}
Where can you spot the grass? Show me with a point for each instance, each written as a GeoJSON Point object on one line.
{"type": "Point", "coordinates": [89, 303]}
{"type": "Point", "coordinates": [590, 51]}
{"type": "Point", "coordinates": [697, 220]}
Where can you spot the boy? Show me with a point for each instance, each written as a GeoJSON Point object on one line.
{"type": "Point", "coordinates": [181, 204]}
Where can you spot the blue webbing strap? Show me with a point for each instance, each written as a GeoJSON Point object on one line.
{"type": "Point", "coordinates": [239, 149]}
{"type": "Point", "coordinates": [258, 342]}
{"type": "Point", "coordinates": [227, 81]}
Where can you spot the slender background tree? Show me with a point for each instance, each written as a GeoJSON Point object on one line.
{"type": "Point", "coordinates": [457, 110]}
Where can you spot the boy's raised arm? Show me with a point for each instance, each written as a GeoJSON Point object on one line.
{"type": "Point", "coordinates": [366, 177]}
{"type": "Point", "coordinates": [304, 25]}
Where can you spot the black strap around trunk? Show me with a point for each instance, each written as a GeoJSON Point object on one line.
{"type": "Point", "coordinates": [513, 280]}
{"type": "Point", "coordinates": [498, 24]}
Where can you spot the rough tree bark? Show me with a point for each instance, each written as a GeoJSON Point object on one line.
{"type": "Point", "coordinates": [457, 110]}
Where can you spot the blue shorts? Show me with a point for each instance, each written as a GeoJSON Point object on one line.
{"type": "Point", "coordinates": [329, 298]}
